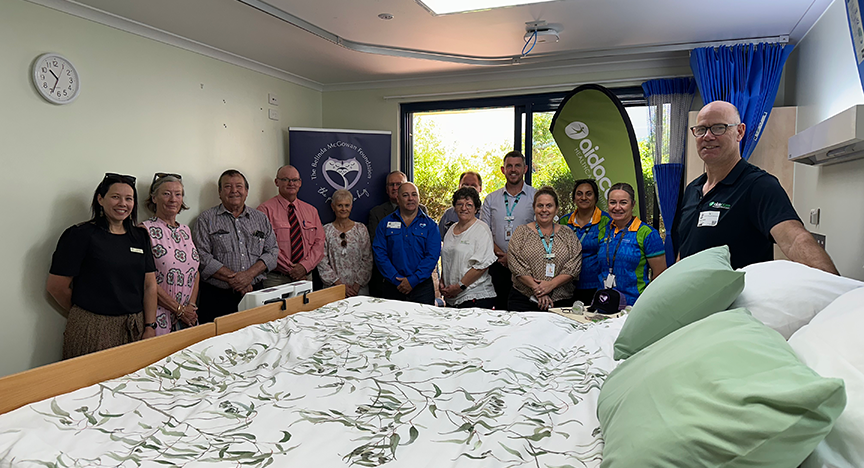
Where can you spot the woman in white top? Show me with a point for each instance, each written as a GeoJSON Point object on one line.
{"type": "Point", "coordinates": [347, 250]}
{"type": "Point", "coordinates": [466, 256]}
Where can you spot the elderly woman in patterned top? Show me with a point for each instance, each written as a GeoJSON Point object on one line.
{"type": "Point", "coordinates": [347, 249]}
{"type": "Point", "coordinates": [174, 253]}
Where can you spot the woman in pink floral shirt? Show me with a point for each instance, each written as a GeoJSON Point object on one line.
{"type": "Point", "coordinates": [175, 255]}
{"type": "Point", "coordinates": [347, 249]}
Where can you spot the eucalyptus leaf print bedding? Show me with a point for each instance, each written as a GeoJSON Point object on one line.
{"type": "Point", "coordinates": [359, 382]}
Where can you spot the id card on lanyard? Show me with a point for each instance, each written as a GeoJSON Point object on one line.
{"type": "Point", "coordinates": [550, 267]}
{"type": "Point", "coordinates": [509, 214]}
{"type": "Point", "coordinates": [609, 282]}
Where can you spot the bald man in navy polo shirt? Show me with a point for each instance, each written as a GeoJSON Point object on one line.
{"type": "Point", "coordinates": [737, 204]}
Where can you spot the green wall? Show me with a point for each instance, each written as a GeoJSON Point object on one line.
{"type": "Point", "coordinates": [144, 107]}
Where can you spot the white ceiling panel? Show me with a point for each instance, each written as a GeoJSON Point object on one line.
{"type": "Point", "coordinates": [614, 27]}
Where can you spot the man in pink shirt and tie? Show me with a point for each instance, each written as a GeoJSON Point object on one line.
{"type": "Point", "coordinates": [298, 229]}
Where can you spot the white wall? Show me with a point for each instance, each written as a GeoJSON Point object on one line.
{"type": "Point", "coordinates": [144, 107]}
{"type": "Point", "coordinates": [822, 81]}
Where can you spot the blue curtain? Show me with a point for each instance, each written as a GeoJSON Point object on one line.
{"type": "Point", "coordinates": [747, 75]}
{"type": "Point", "coordinates": [669, 101]}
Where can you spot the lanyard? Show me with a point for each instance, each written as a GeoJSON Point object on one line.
{"type": "Point", "coordinates": [587, 228]}
{"type": "Point", "coordinates": [507, 204]}
{"type": "Point", "coordinates": [623, 233]}
{"type": "Point", "coordinates": [547, 247]}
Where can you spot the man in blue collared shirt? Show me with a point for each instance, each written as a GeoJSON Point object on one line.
{"type": "Point", "coordinates": [407, 246]}
{"type": "Point", "coordinates": [503, 212]}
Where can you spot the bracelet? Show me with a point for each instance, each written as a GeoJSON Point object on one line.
{"type": "Point", "coordinates": [180, 310]}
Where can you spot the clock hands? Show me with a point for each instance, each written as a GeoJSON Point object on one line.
{"type": "Point", "coordinates": [58, 78]}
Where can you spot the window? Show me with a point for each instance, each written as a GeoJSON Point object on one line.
{"type": "Point", "coordinates": [440, 140]}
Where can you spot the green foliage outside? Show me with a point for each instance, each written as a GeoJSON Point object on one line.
{"type": "Point", "coordinates": [437, 166]}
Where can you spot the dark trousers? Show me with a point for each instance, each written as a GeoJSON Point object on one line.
{"type": "Point", "coordinates": [519, 302]}
{"type": "Point", "coordinates": [215, 302]}
{"type": "Point", "coordinates": [423, 293]}
{"type": "Point", "coordinates": [376, 283]}
{"type": "Point", "coordinates": [584, 295]}
{"type": "Point", "coordinates": [485, 303]}
{"type": "Point", "coordinates": [502, 280]}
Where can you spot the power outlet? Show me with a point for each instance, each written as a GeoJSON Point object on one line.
{"type": "Point", "coordinates": [273, 114]}
{"type": "Point", "coordinates": [271, 98]}
{"type": "Point", "coordinates": [820, 239]}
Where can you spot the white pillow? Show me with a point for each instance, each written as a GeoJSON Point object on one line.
{"type": "Point", "coordinates": [832, 345]}
{"type": "Point", "coordinates": [785, 295]}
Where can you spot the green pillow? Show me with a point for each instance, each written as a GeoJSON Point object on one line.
{"type": "Point", "coordinates": [689, 290]}
{"type": "Point", "coordinates": [726, 391]}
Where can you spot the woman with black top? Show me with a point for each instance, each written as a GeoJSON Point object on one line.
{"type": "Point", "coordinates": [102, 272]}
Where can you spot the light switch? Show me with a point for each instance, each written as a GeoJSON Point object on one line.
{"type": "Point", "coordinates": [274, 114]}
{"type": "Point", "coordinates": [820, 239]}
{"type": "Point", "coordinates": [814, 216]}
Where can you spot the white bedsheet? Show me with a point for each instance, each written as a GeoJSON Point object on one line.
{"type": "Point", "coordinates": [358, 382]}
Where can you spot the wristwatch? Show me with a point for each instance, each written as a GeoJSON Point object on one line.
{"type": "Point", "coordinates": [462, 286]}
{"type": "Point", "coordinates": [151, 325]}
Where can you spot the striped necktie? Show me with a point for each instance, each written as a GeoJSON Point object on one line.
{"type": "Point", "coordinates": [296, 235]}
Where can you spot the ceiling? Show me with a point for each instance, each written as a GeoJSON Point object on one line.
{"type": "Point", "coordinates": [591, 32]}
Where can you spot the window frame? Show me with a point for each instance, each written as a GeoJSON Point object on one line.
{"type": "Point", "coordinates": [523, 120]}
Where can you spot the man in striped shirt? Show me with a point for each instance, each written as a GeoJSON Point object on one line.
{"type": "Point", "coordinates": [237, 247]}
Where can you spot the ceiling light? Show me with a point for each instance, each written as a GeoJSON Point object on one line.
{"type": "Point", "coordinates": [385, 16]}
{"type": "Point", "coordinates": [545, 32]}
{"type": "Point", "coordinates": [444, 7]}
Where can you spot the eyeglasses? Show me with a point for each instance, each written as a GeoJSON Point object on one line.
{"type": "Point", "coordinates": [160, 175]}
{"type": "Point", "coordinates": [289, 180]}
{"type": "Point", "coordinates": [716, 129]}
{"type": "Point", "coordinates": [344, 240]}
{"type": "Point", "coordinates": [125, 178]}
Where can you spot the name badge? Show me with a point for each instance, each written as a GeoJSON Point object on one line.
{"type": "Point", "coordinates": [708, 218]}
{"type": "Point", "coordinates": [134, 250]}
{"type": "Point", "coordinates": [393, 224]}
{"type": "Point", "coordinates": [507, 234]}
{"type": "Point", "coordinates": [550, 270]}
{"type": "Point", "coordinates": [609, 282]}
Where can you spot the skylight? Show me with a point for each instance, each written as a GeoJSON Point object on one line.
{"type": "Point", "coordinates": [444, 7]}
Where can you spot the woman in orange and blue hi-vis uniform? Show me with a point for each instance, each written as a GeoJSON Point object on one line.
{"type": "Point", "coordinates": [589, 223]}
{"type": "Point", "coordinates": [629, 247]}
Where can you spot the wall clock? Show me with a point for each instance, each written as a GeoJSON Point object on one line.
{"type": "Point", "coordinates": [56, 78]}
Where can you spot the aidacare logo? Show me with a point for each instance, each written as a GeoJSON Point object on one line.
{"type": "Point", "coordinates": [590, 159]}
{"type": "Point", "coordinates": [576, 130]}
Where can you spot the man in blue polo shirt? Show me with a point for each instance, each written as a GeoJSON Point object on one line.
{"type": "Point", "coordinates": [737, 204]}
{"type": "Point", "coordinates": [406, 248]}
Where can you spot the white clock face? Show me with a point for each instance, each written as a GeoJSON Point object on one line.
{"type": "Point", "coordinates": [56, 79]}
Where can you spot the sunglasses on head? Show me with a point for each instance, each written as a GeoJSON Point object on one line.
{"type": "Point", "coordinates": [160, 175]}
{"type": "Point", "coordinates": [124, 178]}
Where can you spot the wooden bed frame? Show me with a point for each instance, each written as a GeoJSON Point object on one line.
{"type": "Point", "coordinates": [48, 381]}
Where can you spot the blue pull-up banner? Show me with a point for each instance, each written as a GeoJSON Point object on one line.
{"type": "Point", "coordinates": [853, 13]}
{"type": "Point", "coordinates": [329, 160]}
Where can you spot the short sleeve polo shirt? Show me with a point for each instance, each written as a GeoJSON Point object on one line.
{"type": "Point", "coordinates": [739, 212]}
